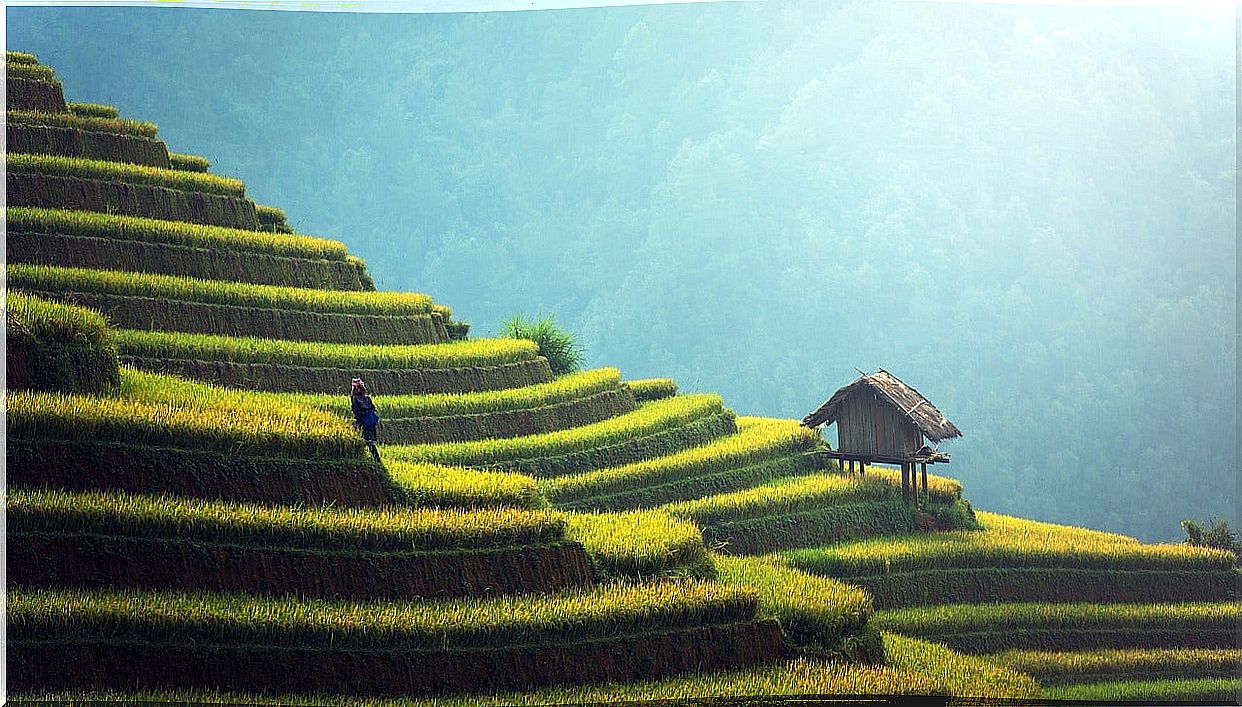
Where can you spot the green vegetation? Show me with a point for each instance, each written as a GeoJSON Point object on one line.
{"type": "Point", "coordinates": [941, 489]}
{"type": "Point", "coordinates": [30, 72]}
{"type": "Point", "coordinates": [600, 612]}
{"type": "Point", "coordinates": [427, 485]}
{"type": "Point", "coordinates": [94, 110]}
{"type": "Point", "coordinates": [782, 497]}
{"type": "Point", "coordinates": [83, 122]}
{"type": "Point", "coordinates": [1056, 667]}
{"type": "Point", "coordinates": [560, 347]}
{"type": "Point", "coordinates": [381, 530]}
{"type": "Point", "coordinates": [1224, 690]}
{"type": "Point", "coordinates": [956, 674]}
{"type": "Point", "coordinates": [205, 347]}
{"type": "Point", "coordinates": [758, 440]}
{"type": "Point", "coordinates": [132, 228]}
{"type": "Point", "coordinates": [653, 388]}
{"type": "Point", "coordinates": [164, 411]}
{"type": "Point", "coordinates": [571, 387]}
{"type": "Point", "coordinates": [191, 163]}
{"type": "Point", "coordinates": [56, 347]}
{"type": "Point", "coordinates": [270, 215]}
{"type": "Point", "coordinates": [13, 57]}
{"type": "Point", "coordinates": [56, 165]}
{"type": "Point", "coordinates": [54, 279]}
{"type": "Point", "coordinates": [648, 419]}
{"type": "Point", "coordinates": [641, 544]}
{"type": "Point", "coordinates": [1217, 536]}
{"type": "Point", "coordinates": [819, 614]}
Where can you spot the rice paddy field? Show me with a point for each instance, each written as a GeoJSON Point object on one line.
{"type": "Point", "coordinates": [224, 534]}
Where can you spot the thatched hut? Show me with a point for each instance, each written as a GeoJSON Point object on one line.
{"type": "Point", "coordinates": [882, 420]}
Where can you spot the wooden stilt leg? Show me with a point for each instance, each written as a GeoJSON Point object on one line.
{"type": "Point", "coordinates": [924, 481]}
{"type": "Point", "coordinates": [905, 482]}
{"type": "Point", "coordinates": [862, 467]}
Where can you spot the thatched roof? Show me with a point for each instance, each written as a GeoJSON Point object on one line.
{"type": "Point", "coordinates": [934, 425]}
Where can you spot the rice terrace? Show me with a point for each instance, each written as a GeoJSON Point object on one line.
{"type": "Point", "coordinates": [193, 517]}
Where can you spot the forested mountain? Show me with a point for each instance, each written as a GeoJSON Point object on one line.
{"type": "Point", "coordinates": [1027, 213]}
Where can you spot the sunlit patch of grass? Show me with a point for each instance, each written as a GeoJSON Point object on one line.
{"type": "Point", "coordinates": [61, 166]}
{"type": "Point", "coordinates": [641, 544]}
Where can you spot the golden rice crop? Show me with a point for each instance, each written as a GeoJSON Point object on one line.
{"type": "Point", "coordinates": [653, 388]}
{"type": "Point", "coordinates": [13, 57]}
{"type": "Point", "coordinates": [133, 228]}
{"type": "Point", "coordinates": [1209, 690]}
{"type": "Point", "coordinates": [53, 323]}
{"type": "Point", "coordinates": [430, 485]}
{"type": "Point", "coordinates": [781, 497]}
{"type": "Point", "coordinates": [648, 419]}
{"type": "Point", "coordinates": [122, 171]}
{"type": "Point", "coordinates": [1005, 542]}
{"type": "Point", "coordinates": [167, 411]}
{"type": "Point", "coordinates": [48, 278]}
{"type": "Point", "coordinates": [190, 163]}
{"type": "Point", "coordinates": [32, 72]}
{"type": "Point", "coordinates": [96, 110]}
{"type": "Point", "coordinates": [1076, 666]}
{"type": "Point", "coordinates": [570, 387]}
{"type": "Point", "coordinates": [601, 611]}
{"type": "Point", "coordinates": [941, 488]}
{"type": "Point", "coordinates": [640, 544]}
{"type": "Point", "coordinates": [758, 439]}
{"type": "Point", "coordinates": [207, 347]}
{"type": "Point", "coordinates": [63, 348]}
{"type": "Point", "coordinates": [270, 214]}
{"type": "Point", "coordinates": [82, 122]}
{"type": "Point", "coordinates": [962, 618]}
{"type": "Point", "coordinates": [387, 529]}
{"type": "Point", "coordinates": [954, 673]}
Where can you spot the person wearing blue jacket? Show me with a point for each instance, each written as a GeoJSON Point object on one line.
{"type": "Point", "coordinates": [366, 417]}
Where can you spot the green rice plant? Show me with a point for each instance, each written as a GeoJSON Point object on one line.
{"type": "Point", "coordinates": [457, 330]}
{"type": "Point", "coordinates": [782, 497]}
{"type": "Point", "coordinates": [13, 57]}
{"type": "Point", "coordinates": [608, 610]}
{"type": "Point", "coordinates": [377, 530]}
{"type": "Point", "coordinates": [50, 278]}
{"type": "Point", "coordinates": [1065, 667]}
{"type": "Point", "coordinates": [428, 485]}
{"type": "Point", "coordinates": [1216, 690]}
{"type": "Point", "coordinates": [30, 72]}
{"type": "Point", "coordinates": [819, 614]}
{"type": "Point", "coordinates": [77, 121]}
{"type": "Point", "coordinates": [192, 163]}
{"type": "Point", "coordinates": [941, 489]}
{"type": "Point", "coordinates": [57, 347]}
{"type": "Point", "coordinates": [270, 215]}
{"type": "Point", "coordinates": [653, 388]}
{"type": "Point", "coordinates": [566, 388]}
{"type": "Point", "coordinates": [560, 347]}
{"type": "Point", "coordinates": [648, 419]}
{"type": "Point", "coordinates": [813, 527]}
{"type": "Point", "coordinates": [205, 347]}
{"type": "Point", "coordinates": [132, 228]}
{"type": "Point", "coordinates": [956, 674]}
{"type": "Point", "coordinates": [163, 411]}
{"type": "Point", "coordinates": [94, 110]}
{"type": "Point", "coordinates": [640, 544]}
{"type": "Point", "coordinates": [758, 440]}
{"type": "Point", "coordinates": [60, 166]}
{"type": "Point", "coordinates": [1004, 543]}
{"type": "Point", "coordinates": [443, 310]}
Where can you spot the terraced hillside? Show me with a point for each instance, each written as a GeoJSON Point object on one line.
{"type": "Point", "coordinates": [188, 499]}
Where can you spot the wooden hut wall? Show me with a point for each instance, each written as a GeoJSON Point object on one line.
{"type": "Point", "coordinates": [869, 425]}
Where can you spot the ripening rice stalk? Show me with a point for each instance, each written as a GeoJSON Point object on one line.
{"type": "Point", "coordinates": [95, 123]}
{"type": "Point", "coordinates": [94, 110]}
{"type": "Point", "coordinates": [120, 171]}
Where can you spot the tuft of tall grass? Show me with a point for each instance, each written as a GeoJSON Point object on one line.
{"type": "Point", "coordinates": [137, 128]}
{"type": "Point", "coordinates": [31, 72]}
{"type": "Point", "coordinates": [61, 166]}
{"type": "Point", "coordinates": [566, 388]}
{"type": "Point", "coordinates": [652, 388]}
{"type": "Point", "coordinates": [270, 215]}
{"type": "Point", "coordinates": [641, 544]}
{"type": "Point", "coordinates": [58, 347]}
{"type": "Point", "coordinates": [13, 57]}
{"type": "Point", "coordinates": [206, 347]}
{"type": "Point", "coordinates": [94, 110]}
{"type": "Point", "coordinates": [428, 485]}
{"type": "Point", "coordinates": [648, 419]}
{"type": "Point", "coordinates": [50, 278]}
{"type": "Point", "coordinates": [189, 163]}
{"type": "Point", "coordinates": [560, 347]}
{"type": "Point", "coordinates": [133, 228]}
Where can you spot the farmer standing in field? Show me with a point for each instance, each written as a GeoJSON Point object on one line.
{"type": "Point", "coordinates": [366, 417]}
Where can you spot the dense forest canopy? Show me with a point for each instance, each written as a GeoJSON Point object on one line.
{"type": "Point", "coordinates": [1027, 213]}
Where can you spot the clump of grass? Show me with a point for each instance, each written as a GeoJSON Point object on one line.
{"type": "Point", "coordinates": [206, 347]}
{"type": "Point", "coordinates": [652, 388]}
{"type": "Point", "coordinates": [379, 530]}
{"type": "Point", "coordinates": [781, 497]}
{"type": "Point", "coordinates": [171, 412]}
{"type": "Point", "coordinates": [136, 128]}
{"type": "Point", "coordinates": [30, 72]}
{"type": "Point", "coordinates": [58, 347]}
{"type": "Point", "coordinates": [190, 163]}
{"type": "Point", "coordinates": [941, 488]}
{"type": "Point", "coordinates": [560, 347]}
{"type": "Point", "coordinates": [571, 387]}
{"type": "Point", "coordinates": [270, 215]}
{"type": "Point", "coordinates": [428, 485]}
{"type": "Point", "coordinates": [94, 110]}
{"type": "Point", "coordinates": [49, 278]}
{"type": "Point", "coordinates": [57, 165]}
{"type": "Point", "coordinates": [641, 544]}
{"type": "Point", "coordinates": [648, 419]}
{"type": "Point", "coordinates": [13, 57]}
{"type": "Point", "coordinates": [132, 228]}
